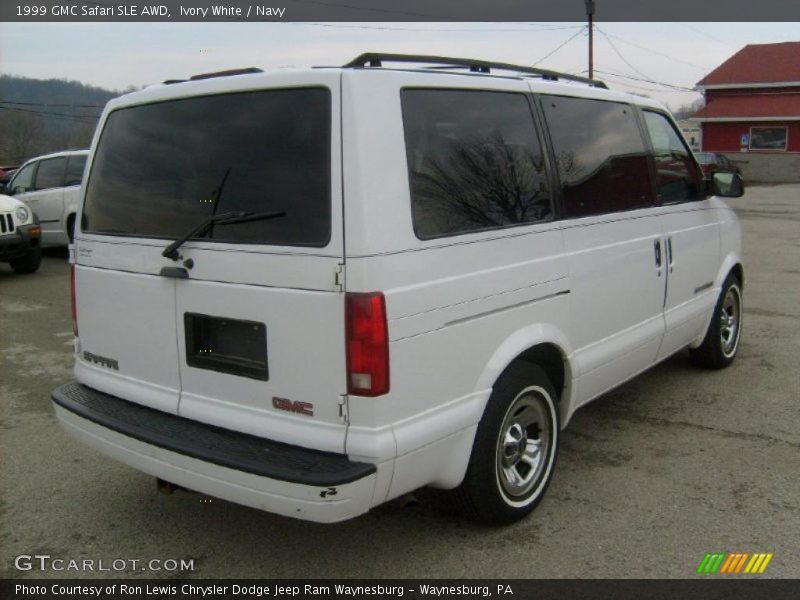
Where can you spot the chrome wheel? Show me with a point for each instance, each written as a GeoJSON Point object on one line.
{"type": "Point", "coordinates": [524, 443]}
{"type": "Point", "coordinates": [730, 316]}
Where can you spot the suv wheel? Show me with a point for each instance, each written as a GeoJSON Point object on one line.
{"type": "Point", "coordinates": [515, 448]}
{"type": "Point", "coordinates": [28, 263]}
{"type": "Point", "coordinates": [721, 343]}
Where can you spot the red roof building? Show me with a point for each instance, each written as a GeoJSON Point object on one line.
{"type": "Point", "coordinates": [753, 107]}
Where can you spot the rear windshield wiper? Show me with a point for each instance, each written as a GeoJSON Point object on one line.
{"type": "Point", "coordinates": [228, 218]}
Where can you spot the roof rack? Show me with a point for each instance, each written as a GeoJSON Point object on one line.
{"type": "Point", "coordinates": [228, 73]}
{"type": "Point", "coordinates": [376, 59]}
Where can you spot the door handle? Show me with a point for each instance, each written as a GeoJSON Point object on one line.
{"type": "Point", "coordinates": [670, 261]}
{"type": "Point", "coordinates": [657, 248]}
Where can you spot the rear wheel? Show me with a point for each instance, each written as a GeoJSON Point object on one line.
{"type": "Point", "coordinates": [515, 448]}
{"type": "Point", "coordinates": [28, 263]}
{"type": "Point", "coordinates": [721, 343]}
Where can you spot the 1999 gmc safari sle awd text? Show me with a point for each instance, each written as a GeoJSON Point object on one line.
{"type": "Point", "coordinates": [314, 291]}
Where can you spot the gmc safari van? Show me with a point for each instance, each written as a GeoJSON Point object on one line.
{"type": "Point", "coordinates": [313, 291]}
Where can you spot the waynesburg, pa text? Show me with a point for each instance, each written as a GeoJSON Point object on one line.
{"type": "Point", "coordinates": [255, 590]}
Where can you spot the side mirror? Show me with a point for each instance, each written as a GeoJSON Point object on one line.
{"type": "Point", "coordinates": [727, 185]}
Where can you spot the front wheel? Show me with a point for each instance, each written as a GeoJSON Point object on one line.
{"type": "Point", "coordinates": [515, 448]}
{"type": "Point", "coordinates": [721, 343]}
{"type": "Point", "coordinates": [28, 263]}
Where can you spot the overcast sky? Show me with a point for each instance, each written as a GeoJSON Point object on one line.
{"type": "Point", "coordinates": [118, 55]}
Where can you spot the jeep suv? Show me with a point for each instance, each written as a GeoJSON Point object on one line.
{"type": "Point", "coordinates": [314, 291]}
{"type": "Point", "coordinates": [20, 236]}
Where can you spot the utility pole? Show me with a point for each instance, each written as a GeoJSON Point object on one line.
{"type": "Point", "coordinates": [590, 14]}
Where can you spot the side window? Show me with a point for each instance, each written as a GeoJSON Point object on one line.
{"type": "Point", "coordinates": [23, 179]}
{"type": "Point", "coordinates": [601, 156]}
{"type": "Point", "coordinates": [676, 174]}
{"type": "Point", "coordinates": [50, 173]}
{"type": "Point", "coordinates": [474, 161]}
{"type": "Point", "coordinates": [75, 166]}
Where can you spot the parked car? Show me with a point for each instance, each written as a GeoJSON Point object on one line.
{"type": "Point", "coordinates": [6, 171]}
{"type": "Point", "coordinates": [712, 162]}
{"type": "Point", "coordinates": [20, 236]}
{"type": "Point", "coordinates": [314, 291]}
{"type": "Point", "coordinates": [50, 185]}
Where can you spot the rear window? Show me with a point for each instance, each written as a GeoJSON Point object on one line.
{"type": "Point", "coordinates": [160, 169]}
{"type": "Point", "coordinates": [75, 166]}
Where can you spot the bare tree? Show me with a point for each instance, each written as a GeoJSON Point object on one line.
{"type": "Point", "coordinates": [20, 135]}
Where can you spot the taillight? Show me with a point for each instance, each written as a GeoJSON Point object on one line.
{"type": "Point", "coordinates": [72, 299]}
{"type": "Point", "coordinates": [367, 344]}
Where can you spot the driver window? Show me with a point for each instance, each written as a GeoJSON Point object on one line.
{"type": "Point", "coordinates": [676, 173]}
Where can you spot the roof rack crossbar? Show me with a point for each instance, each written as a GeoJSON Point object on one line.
{"type": "Point", "coordinates": [376, 59]}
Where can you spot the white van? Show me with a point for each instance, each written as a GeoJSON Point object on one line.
{"type": "Point", "coordinates": [314, 291]}
{"type": "Point", "coordinates": [50, 186]}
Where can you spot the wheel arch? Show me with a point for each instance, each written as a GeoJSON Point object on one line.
{"type": "Point", "coordinates": [543, 345]}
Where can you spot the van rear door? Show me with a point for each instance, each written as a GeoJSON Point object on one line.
{"type": "Point", "coordinates": [256, 310]}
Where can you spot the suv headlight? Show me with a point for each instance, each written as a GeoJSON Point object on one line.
{"type": "Point", "coordinates": [22, 214]}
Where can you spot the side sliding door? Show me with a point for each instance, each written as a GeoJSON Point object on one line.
{"type": "Point", "coordinates": [612, 237]}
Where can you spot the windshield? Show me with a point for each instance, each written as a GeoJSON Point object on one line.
{"type": "Point", "coordinates": [704, 158]}
{"type": "Point", "coordinates": [160, 169]}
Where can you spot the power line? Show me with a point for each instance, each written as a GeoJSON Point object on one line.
{"type": "Point", "coordinates": [646, 49]}
{"type": "Point", "coordinates": [88, 120]}
{"type": "Point", "coordinates": [560, 46]}
{"type": "Point", "coordinates": [642, 88]}
{"type": "Point", "coordinates": [433, 29]}
{"type": "Point", "coordinates": [48, 104]}
{"type": "Point", "coordinates": [668, 85]}
{"type": "Point", "coordinates": [618, 53]}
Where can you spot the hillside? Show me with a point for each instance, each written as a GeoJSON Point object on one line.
{"type": "Point", "coordinates": [40, 116]}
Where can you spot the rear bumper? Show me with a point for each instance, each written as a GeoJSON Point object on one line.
{"type": "Point", "coordinates": [19, 243]}
{"type": "Point", "coordinates": [287, 480]}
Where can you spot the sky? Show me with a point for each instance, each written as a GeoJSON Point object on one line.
{"type": "Point", "coordinates": [628, 56]}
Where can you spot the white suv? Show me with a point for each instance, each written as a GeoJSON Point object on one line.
{"type": "Point", "coordinates": [50, 185]}
{"type": "Point", "coordinates": [20, 236]}
{"type": "Point", "coordinates": [314, 291]}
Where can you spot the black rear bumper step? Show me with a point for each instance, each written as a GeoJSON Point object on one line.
{"type": "Point", "coordinates": [223, 447]}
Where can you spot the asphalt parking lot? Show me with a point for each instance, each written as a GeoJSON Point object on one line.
{"type": "Point", "coordinates": [674, 464]}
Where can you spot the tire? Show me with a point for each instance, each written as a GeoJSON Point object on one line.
{"type": "Point", "coordinates": [71, 229]}
{"type": "Point", "coordinates": [28, 263]}
{"type": "Point", "coordinates": [721, 343]}
{"type": "Point", "coordinates": [522, 397]}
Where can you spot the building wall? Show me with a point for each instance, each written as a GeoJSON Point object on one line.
{"type": "Point", "coordinates": [726, 137]}
{"type": "Point", "coordinates": [763, 166]}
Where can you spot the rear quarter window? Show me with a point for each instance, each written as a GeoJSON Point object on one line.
{"type": "Point", "coordinates": [474, 161]}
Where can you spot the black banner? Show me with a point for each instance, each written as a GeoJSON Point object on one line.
{"type": "Point", "coordinates": [391, 10]}
{"type": "Point", "coordinates": [715, 588]}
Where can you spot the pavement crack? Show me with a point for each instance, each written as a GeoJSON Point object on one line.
{"type": "Point", "coordinates": [729, 433]}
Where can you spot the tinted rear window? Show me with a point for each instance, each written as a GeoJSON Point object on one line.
{"type": "Point", "coordinates": [160, 169]}
{"type": "Point", "coordinates": [602, 161]}
{"type": "Point", "coordinates": [75, 167]}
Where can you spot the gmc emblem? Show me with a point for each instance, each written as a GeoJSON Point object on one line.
{"type": "Point", "coordinates": [295, 406]}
